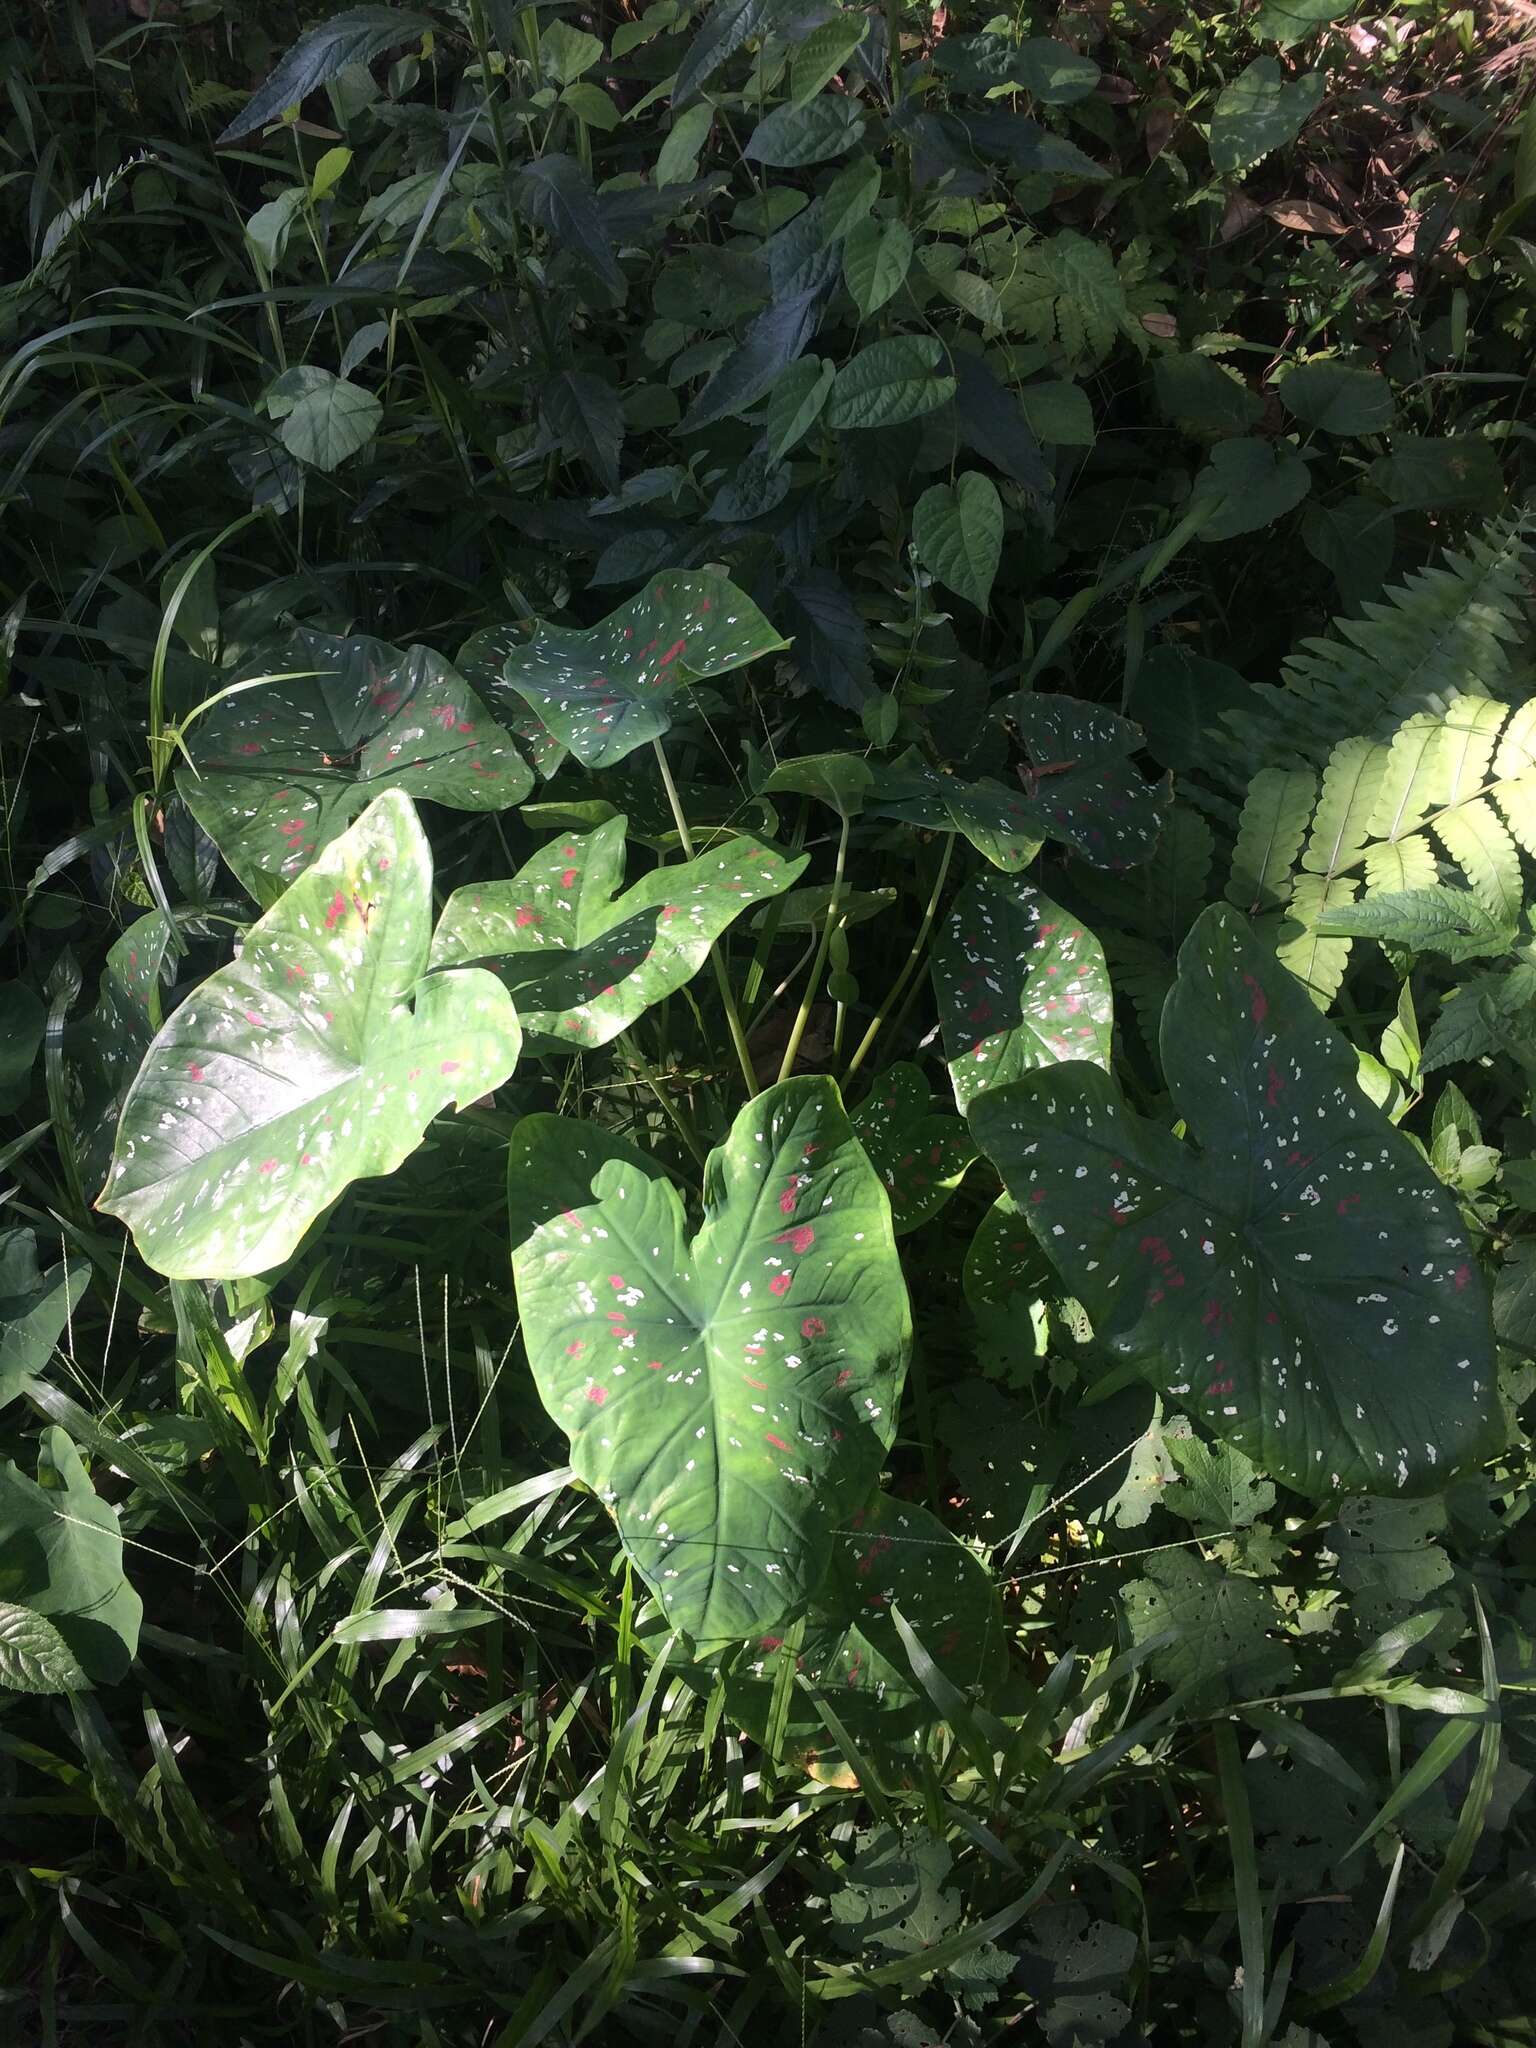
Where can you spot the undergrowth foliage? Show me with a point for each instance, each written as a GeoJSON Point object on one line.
{"type": "Point", "coordinates": [769, 789]}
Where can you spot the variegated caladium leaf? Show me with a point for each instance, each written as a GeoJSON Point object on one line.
{"type": "Point", "coordinates": [1297, 1279]}
{"type": "Point", "coordinates": [604, 691]}
{"type": "Point", "coordinates": [994, 818]}
{"type": "Point", "coordinates": [278, 770]}
{"type": "Point", "coordinates": [730, 1398]}
{"type": "Point", "coordinates": [1021, 984]}
{"type": "Point", "coordinates": [316, 1058]}
{"type": "Point", "coordinates": [582, 960]}
{"type": "Point", "coordinates": [1083, 784]}
{"type": "Point", "coordinates": [919, 1153]}
{"type": "Point", "coordinates": [480, 662]}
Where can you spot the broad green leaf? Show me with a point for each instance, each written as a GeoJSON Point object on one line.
{"type": "Point", "coordinates": [329, 172]}
{"type": "Point", "coordinates": [582, 960]}
{"type": "Point", "coordinates": [34, 1309]}
{"type": "Point", "coordinates": [1056, 411]}
{"type": "Point", "coordinates": [1251, 483]}
{"type": "Point", "coordinates": [1020, 983]}
{"type": "Point", "coordinates": [818, 59]}
{"type": "Point", "coordinates": [1258, 112]}
{"type": "Point", "coordinates": [920, 1153]}
{"type": "Point", "coordinates": [480, 662]}
{"type": "Point", "coordinates": [848, 198]}
{"type": "Point", "coordinates": [840, 781]}
{"type": "Point", "coordinates": [888, 382]}
{"type": "Point", "coordinates": [557, 195]}
{"type": "Point", "coordinates": [116, 1036]}
{"type": "Point", "coordinates": [605, 690]}
{"type": "Point", "coordinates": [958, 532]}
{"type": "Point", "coordinates": [731, 1399]}
{"type": "Point", "coordinates": [890, 1555]}
{"type": "Point", "coordinates": [61, 1556]}
{"type": "Point", "coordinates": [1053, 72]}
{"type": "Point", "coordinates": [586, 417]}
{"type": "Point", "coordinates": [793, 136]}
{"type": "Point", "coordinates": [317, 1058]}
{"type": "Point", "coordinates": [278, 770]}
{"type": "Point", "coordinates": [1222, 1627]}
{"type": "Point", "coordinates": [1218, 1488]}
{"type": "Point", "coordinates": [34, 1657]}
{"type": "Point", "coordinates": [795, 404]}
{"type": "Point", "coordinates": [1300, 1282]}
{"type": "Point", "coordinates": [268, 229]}
{"type": "Point", "coordinates": [876, 258]}
{"type": "Point", "coordinates": [727, 25]}
{"type": "Point", "coordinates": [355, 36]}
{"type": "Point", "coordinates": [325, 419]}
{"type": "Point", "coordinates": [1084, 788]}
{"type": "Point", "coordinates": [1291, 21]}
{"type": "Point", "coordinates": [567, 53]}
{"type": "Point", "coordinates": [774, 340]}
{"type": "Point", "coordinates": [1457, 472]}
{"type": "Point", "coordinates": [1338, 397]}
{"type": "Point", "coordinates": [679, 158]}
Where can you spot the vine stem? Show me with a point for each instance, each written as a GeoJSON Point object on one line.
{"type": "Point", "coordinates": [722, 979]}
{"type": "Point", "coordinates": [803, 1014]}
{"type": "Point", "coordinates": [908, 967]}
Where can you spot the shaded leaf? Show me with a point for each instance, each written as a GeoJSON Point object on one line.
{"type": "Point", "coordinates": [61, 1557]}
{"type": "Point", "coordinates": [919, 1153]}
{"type": "Point", "coordinates": [355, 36]}
{"type": "Point", "coordinates": [958, 532]}
{"type": "Point", "coordinates": [34, 1309]}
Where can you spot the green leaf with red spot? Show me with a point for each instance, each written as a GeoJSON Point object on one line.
{"type": "Point", "coordinates": [1297, 1278]}
{"type": "Point", "coordinates": [919, 1153]}
{"type": "Point", "coordinates": [105, 1054]}
{"type": "Point", "coordinates": [995, 819]}
{"type": "Point", "coordinates": [316, 1058]}
{"type": "Point", "coordinates": [1084, 786]}
{"type": "Point", "coordinates": [280, 768]}
{"type": "Point", "coordinates": [607, 690]}
{"type": "Point", "coordinates": [1021, 984]}
{"type": "Point", "coordinates": [582, 960]}
{"type": "Point", "coordinates": [480, 662]}
{"type": "Point", "coordinates": [730, 1398]}
{"type": "Point", "coordinates": [889, 1556]}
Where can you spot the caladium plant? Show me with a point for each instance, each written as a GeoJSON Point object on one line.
{"type": "Point", "coordinates": [1021, 984]}
{"type": "Point", "coordinates": [1082, 780]}
{"type": "Point", "coordinates": [1300, 1282]}
{"type": "Point", "coordinates": [581, 959]}
{"type": "Point", "coordinates": [604, 691]}
{"type": "Point", "coordinates": [317, 1057]}
{"type": "Point", "coordinates": [279, 768]}
{"type": "Point", "coordinates": [920, 1153]}
{"type": "Point", "coordinates": [730, 1397]}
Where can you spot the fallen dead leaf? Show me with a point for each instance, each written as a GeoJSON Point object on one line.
{"type": "Point", "coordinates": [1162, 119]}
{"type": "Point", "coordinates": [1306, 217]}
{"type": "Point", "coordinates": [1164, 325]}
{"type": "Point", "coordinates": [1240, 215]}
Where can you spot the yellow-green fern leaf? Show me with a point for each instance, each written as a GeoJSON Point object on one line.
{"type": "Point", "coordinates": [1269, 836]}
{"type": "Point", "coordinates": [1477, 841]}
{"type": "Point", "coordinates": [1395, 864]}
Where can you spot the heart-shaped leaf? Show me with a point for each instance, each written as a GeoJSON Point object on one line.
{"type": "Point", "coordinates": [34, 1309]}
{"type": "Point", "coordinates": [958, 532]}
{"type": "Point", "coordinates": [114, 1038]}
{"type": "Point", "coordinates": [582, 960]}
{"type": "Point", "coordinates": [318, 1057]}
{"type": "Point", "coordinates": [1301, 1282]}
{"type": "Point", "coordinates": [480, 662]}
{"type": "Point", "coordinates": [603, 692]}
{"type": "Point", "coordinates": [730, 1399]}
{"type": "Point", "coordinates": [61, 1557]}
{"type": "Point", "coordinates": [277, 771]}
{"type": "Point", "coordinates": [1021, 984]}
{"type": "Point", "coordinates": [919, 1153]}
{"type": "Point", "coordinates": [1085, 789]}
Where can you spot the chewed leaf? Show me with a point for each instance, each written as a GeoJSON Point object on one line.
{"type": "Point", "coordinates": [279, 769]}
{"type": "Point", "coordinates": [318, 1057]}
{"type": "Point", "coordinates": [729, 1399]}
{"type": "Point", "coordinates": [1085, 787]}
{"type": "Point", "coordinates": [1021, 984]}
{"type": "Point", "coordinates": [1301, 1282]}
{"type": "Point", "coordinates": [582, 960]}
{"type": "Point", "coordinates": [604, 691]}
{"type": "Point", "coordinates": [920, 1155]}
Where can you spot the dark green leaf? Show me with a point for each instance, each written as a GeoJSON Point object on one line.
{"type": "Point", "coordinates": [793, 136]}
{"type": "Point", "coordinates": [355, 36]}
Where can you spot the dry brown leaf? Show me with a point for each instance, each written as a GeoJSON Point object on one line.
{"type": "Point", "coordinates": [1240, 215]}
{"type": "Point", "coordinates": [1306, 217]}
{"type": "Point", "coordinates": [1164, 325]}
{"type": "Point", "coordinates": [1162, 119]}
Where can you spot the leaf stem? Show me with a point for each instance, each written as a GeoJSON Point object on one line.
{"type": "Point", "coordinates": [802, 1015]}
{"type": "Point", "coordinates": [722, 979]}
{"type": "Point", "coordinates": [908, 965]}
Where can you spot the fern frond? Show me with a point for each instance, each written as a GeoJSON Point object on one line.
{"type": "Point", "coordinates": [1269, 834]}
{"type": "Point", "coordinates": [1393, 865]}
{"type": "Point", "coordinates": [1443, 633]}
{"type": "Point", "coordinates": [1317, 959]}
{"type": "Point", "coordinates": [1475, 838]}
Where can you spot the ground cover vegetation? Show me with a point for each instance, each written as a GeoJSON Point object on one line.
{"type": "Point", "coordinates": [769, 1249]}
